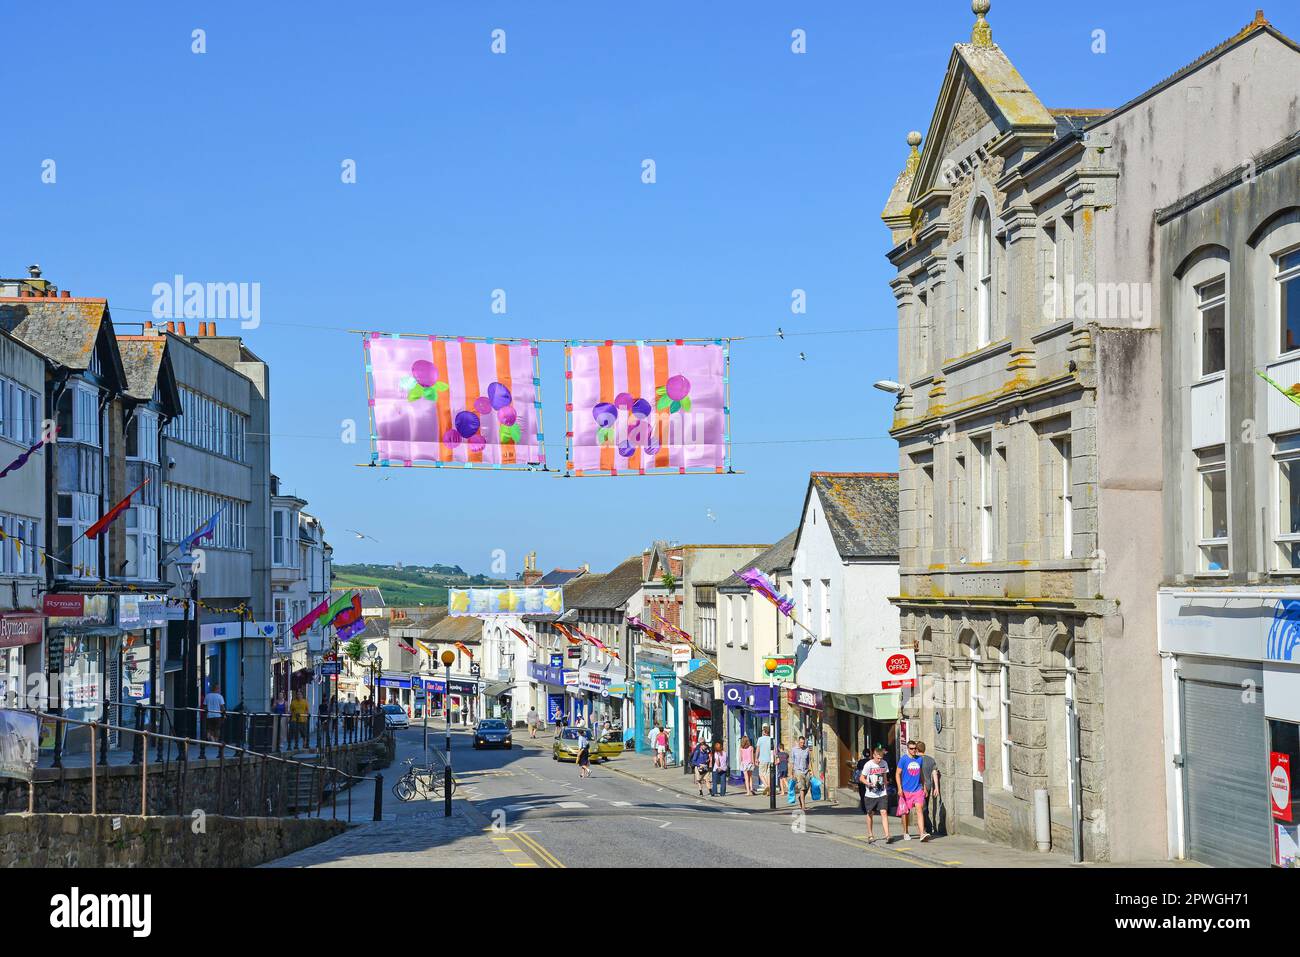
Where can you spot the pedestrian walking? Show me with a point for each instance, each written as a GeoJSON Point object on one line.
{"type": "Point", "coordinates": [911, 792]}
{"type": "Point", "coordinates": [801, 770]}
{"type": "Point", "coordinates": [931, 807]}
{"type": "Point", "coordinates": [584, 755]}
{"type": "Point", "coordinates": [322, 720]}
{"type": "Point", "coordinates": [747, 764]}
{"type": "Point", "coordinates": [765, 759]}
{"type": "Point", "coordinates": [661, 747]}
{"type": "Point", "coordinates": [298, 713]}
{"type": "Point", "coordinates": [874, 782]}
{"type": "Point", "coordinates": [532, 722]}
{"type": "Point", "coordinates": [719, 784]}
{"type": "Point", "coordinates": [700, 762]}
{"type": "Point", "coordinates": [281, 711]}
{"type": "Point", "coordinates": [214, 707]}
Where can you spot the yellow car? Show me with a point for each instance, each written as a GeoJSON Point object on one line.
{"type": "Point", "coordinates": [565, 747]}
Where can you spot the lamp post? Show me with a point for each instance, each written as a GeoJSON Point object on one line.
{"type": "Point", "coordinates": [770, 667]}
{"type": "Point", "coordinates": [376, 669]}
{"type": "Point", "coordinates": [447, 658]}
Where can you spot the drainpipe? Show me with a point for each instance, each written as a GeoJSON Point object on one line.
{"type": "Point", "coordinates": [1076, 811]}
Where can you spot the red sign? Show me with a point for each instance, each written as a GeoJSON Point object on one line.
{"type": "Point", "coordinates": [64, 606]}
{"type": "Point", "coordinates": [16, 630]}
{"type": "Point", "coordinates": [1279, 785]}
{"type": "Point", "coordinates": [899, 671]}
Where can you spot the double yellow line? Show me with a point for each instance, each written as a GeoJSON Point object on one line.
{"type": "Point", "coordinates": [527, 846]}
{"type": "Point", "coordinates": [549, 859]}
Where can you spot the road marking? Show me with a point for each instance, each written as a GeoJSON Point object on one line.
{"type": "Point", "coordinates": [550, 859]}
{"type": "Point", "coordinates": [862, 845]}
{"type": "Point", "coordinates": [571, 805]}
{"type": "Point", "coordinates": [652, 820]}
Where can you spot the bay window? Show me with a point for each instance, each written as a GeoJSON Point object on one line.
{"type": "Point", "coordinates": [141, 542]}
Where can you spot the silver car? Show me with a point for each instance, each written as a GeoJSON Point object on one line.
{"type": "Point", "coordinates": [395, 716]}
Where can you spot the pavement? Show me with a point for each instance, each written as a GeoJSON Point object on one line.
{"type": "Point", "coordinates": [521, 808]}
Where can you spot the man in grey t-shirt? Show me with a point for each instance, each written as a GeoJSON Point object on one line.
{"type": "Point", "coordinates": [800, 761]}
{"type": "Point", "coordinates": [764, 745]}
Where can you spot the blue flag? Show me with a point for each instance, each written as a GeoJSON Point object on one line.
{"type": "Point", "coordinates": [206, 530]}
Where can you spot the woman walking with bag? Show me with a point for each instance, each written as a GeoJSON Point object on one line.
{"type": "Point", "coordinates": [719, 786]}
{"type": "Point", "coordinates": [747, 764]}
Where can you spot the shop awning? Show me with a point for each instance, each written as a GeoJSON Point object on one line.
{"type": "Point", "coordinates": [496, 688]}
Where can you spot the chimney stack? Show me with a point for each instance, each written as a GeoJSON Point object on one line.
{"type": "Point", "coordinates": [66, 294]}
{"type": "Point", "coordinates": [34, 270]}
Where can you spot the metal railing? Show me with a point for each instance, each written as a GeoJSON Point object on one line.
{"type": "Point", "coordinates": [275, 791]}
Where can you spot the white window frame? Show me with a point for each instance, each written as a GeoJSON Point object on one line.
{"type": "Point", "coordinates": [141, 524]}
{"type": "Point", "coordinates": [984, 496]}
{"type": "Point", "coordinates": [976, 704]}
{"type": "Point", "coordinates": [1286, 452]}
{"type": "Point", "coordinates": [1210, 462]}
{"type": "Point", "coordinates": [1064, 451]}
{"type": "Point", "coordinates": [145, 424]}
{"type": "Point", "coordinates": [807, 603]}
{"type": "Point", "coordinates": [1203, 307]}
{"type": "Point", "coordinates": [1071, 683]}
{"type": "Point", "coordinates": [1004, 713]}
{"type": "Point", "coordinates": [826, 611]}
{"type": "Point", "coordinates": [1289, 277]}
{"type": "Point", "coordinates": [982, 272]}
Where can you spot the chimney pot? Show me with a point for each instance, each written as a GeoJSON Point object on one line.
{"type": "Point", "coordinates": [212, 328]}
{"type": "Point", "coordinates": [66, 294]}
{"type": "Point", "coordinates": [148, 325]}
{"type": "Point", "coordinates": [203, 328]}
{"type": "Point", "coordinates": [180, 329]}
{"type": "Point", "coordinates": [34, 270]}
{"type": "Point", "coordinates": [171, 327]}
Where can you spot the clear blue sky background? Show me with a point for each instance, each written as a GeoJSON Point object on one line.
{"type": "Point", "coordinates": [522, 172]}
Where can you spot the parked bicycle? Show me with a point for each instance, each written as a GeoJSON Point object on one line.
{"type": "Point", "coordinates": [418, 781]}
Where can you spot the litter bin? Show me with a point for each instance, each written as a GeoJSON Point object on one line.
{"type": "Point", "coordinates": [261, 732]}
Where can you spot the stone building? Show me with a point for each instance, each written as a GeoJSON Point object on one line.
{"type": "Point", "coordinates": [1229, 276]}
{"type": "Point", "coordinates": [1028, 420]}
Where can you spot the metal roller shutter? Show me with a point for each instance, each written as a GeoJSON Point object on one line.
{"type": "Point", "coordinates": [1225, 767]}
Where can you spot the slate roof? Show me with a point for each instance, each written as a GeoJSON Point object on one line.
{"type": "Point", "coordinates": [142, 361]}
{"type": "Point", "coordinates": [776, 558]}
{"type": "Point", "coordinates": [418, 618]}
{"type": "Point", "coordinates": [64, 330]}
{"type": "Point", "coordinates": [463, 628]}
{"type": "Point", "coordinates": [557, 576]}
{"type": "Point", "coordinates": [861, 510]}
{"type": "Point", "coordinates": [612, 590]}
{"type": "Point", "coordinates": [370, 597]}
{"type": "Point", "coordinates": [703, 676]}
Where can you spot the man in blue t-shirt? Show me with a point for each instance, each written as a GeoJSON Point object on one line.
{"type": "Point", "coordinates": [765, 759]}
{"type": "Point", "coordinates": [911, 790]}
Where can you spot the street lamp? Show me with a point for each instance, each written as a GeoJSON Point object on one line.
{"type": "Point", "coordinates": [769, 666]}
{"type": "Point", "coordinates": [448, 657]}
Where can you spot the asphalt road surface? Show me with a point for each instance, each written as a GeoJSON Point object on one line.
{"type": "Point", "coordinates": [610, 819]}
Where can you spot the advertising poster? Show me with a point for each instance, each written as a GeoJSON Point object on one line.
{"type": "Point", "coordinates": [19, 734]}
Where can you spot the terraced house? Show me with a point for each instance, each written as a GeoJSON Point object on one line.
{"type": "Point", "coordinates": [1028, 419]}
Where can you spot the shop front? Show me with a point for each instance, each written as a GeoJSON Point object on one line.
{"type": "Point", "coordinates": [656, 704]}
{"type": "Point", "coordinates": [547, 687]}
{"type": "Point", "coordinates": [749, 708]}
{"type": "Point", "coordinates": [862, 721]}
{"type": "Point", "coordinates": [21, 635]}
{"type": "Point", "coordinates": [82, 637]}
{"type": "Point", "coordinates": [807, 713]}
{"type": "Point", "coordinates": [462, 699]}
{"type": "Point", "coordinates": [1232, 711]}
{"type": "Point", "coordinates": [698, 703]}
{"type": "Point", "coordinates": [599, 704]}
{"type": "Point", "coordinates": [142, 620]}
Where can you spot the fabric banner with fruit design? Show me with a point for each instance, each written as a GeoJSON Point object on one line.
{"type": "Point", "coordinates": [641, 407]}
{"type": "Point", "coordinates": [447, 401]}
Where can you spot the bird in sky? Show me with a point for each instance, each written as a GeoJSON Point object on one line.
{"type": "Point", "coordinates": [780, 333]}
{"type": "Point", "coordinates": [803, 357]}
{"type": "Point", "coordinates": [708, 512]}
{"type": "Point", "coordinates": [362, 535]}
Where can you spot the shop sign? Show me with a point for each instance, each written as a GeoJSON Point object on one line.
{"type": "Point", "coordinates": [557, 660]}
{"type": "Point", "coordinates": [895, 668]}
{"type": "Point", "coordinates": [1279, 785]}
{"type": "Point", "coordinates": [806, 698]}
{"type": "Point", "coordinates": [620, 690]}
{"type": "Point", "coordinates": [699, 697]}
{"type": "Point", "coordinates": [589, 680]}
{"type": "Point", "coordinates": [681, 653]}
{"type": "Point", "coordinates": [570, 679]}
{"type": "Point", "coordinates": [784, 669]}
{"type": "Point", "coordinates": [551, 675]}
{"type": "Point", "coordinates": [663, 684]}
{"type": "Point", "coordinates": [18, 630]}
{"type": "Point", "coordinates": [141, 611]}
{"type": "Point", "coordinates": [464, 687]}
{"type": "Point", "coordinates": [64, 606]}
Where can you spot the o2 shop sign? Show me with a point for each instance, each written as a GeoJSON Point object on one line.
{"type": "Point", "coordinates": [898, 669]}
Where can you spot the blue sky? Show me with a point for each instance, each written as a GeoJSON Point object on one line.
{"type": "Point", "coordinates": [523, 172]}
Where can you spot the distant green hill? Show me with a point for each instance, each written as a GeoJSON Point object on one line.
{"type": "Point", "coordinates": [396, 591]}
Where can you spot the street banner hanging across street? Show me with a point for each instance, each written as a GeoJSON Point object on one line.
{"type": "Point", "coordinates": [504, 601]}
{"type": "Point", "coordinates": [641, 407]}
{"type": "Point", "coordinates": [454, 402]}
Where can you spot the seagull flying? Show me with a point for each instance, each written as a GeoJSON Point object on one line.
{"type": "Point", "coordinates": [803, 357]}
{"type": "Point", "coordinates": [780, 333]}
{"type": "Point", "coordinates": [362, 535]}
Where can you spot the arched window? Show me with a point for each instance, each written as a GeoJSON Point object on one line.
{"type": "Point", "coordinates": [1002, 651]}
{"type": "Point", "coordinates": [975, 703]}
{"type": "Point", "coordinates": [981, 240]}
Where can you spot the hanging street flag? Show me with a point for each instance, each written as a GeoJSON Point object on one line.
{"type": "Point", "coordinates": [519, 634]}
{"type": "Point", "coordinates": [423, 647]}
{"type": "Point", "coordinates": [465, 648]}
{"type": "Point", "coordinates": [639, 625]}
{"type": "Point", "coordinates": [669, 627]}
{"type": "Point", "coordinates": [764, 586]}
{"type": "Point", "coordinates": [19, 462]}
{"type": "Point", "coordinates": [343, 602]}
{"type": "Point", "coordinates": [407, 648]}
{"type": "Point", "coordinates": [446, 401]}
{"type": "Point", "coordinates": [113, 513]}
{"type": "Point", "coordinates": [304, 623]}
{"type": "Point", "coordinates": [568, 635]}
{"type": "Point", "coordinates": [638, 408]}
{"type": "Point", "coordinates": [483, 602]}
{"type": "Point", "coordinates": [206, 530]}
{"type": "Point", "coordinates": [1292, 393]}
{"type": "Point", "coordinates": [348, 632]}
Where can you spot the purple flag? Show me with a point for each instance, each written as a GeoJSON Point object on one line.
{"type": "Point", "coordinates": [763, 585]}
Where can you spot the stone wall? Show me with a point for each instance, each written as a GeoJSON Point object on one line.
{"type": "Point", "coordinates": [252, 786]}
{"type": "Point", "coordinates": [105, 840]}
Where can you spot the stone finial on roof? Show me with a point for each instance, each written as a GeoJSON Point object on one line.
{"type": "Point", "coordinates": [982, 34]}
{"type": "Point", "coordinates": [914, 157]}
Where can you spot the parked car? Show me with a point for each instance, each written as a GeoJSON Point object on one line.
{"type": "Point", "coordinates": [565, 747]}
{"type": "Point", "coordinates": [492, 733]}
{"type": "Point", "coordinates": [395, 716]}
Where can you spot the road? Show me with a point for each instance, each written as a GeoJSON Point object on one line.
{"type": "Point", "coordinates": [543, 809]}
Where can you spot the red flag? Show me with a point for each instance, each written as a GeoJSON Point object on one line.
{"type": "Point", "coordinates": [519, 634]}
{"type": "Point", "coordinates": [567, 634]}
{"type": "Point", "coordinates": [462, 647]}
{"type": "Point", "coordinates": [405, 647]}
{"type": "Point", "coordinates": [112, 514]}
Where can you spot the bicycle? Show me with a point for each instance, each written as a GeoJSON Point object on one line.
{"type": "Point", "coordinates": [419, 780]}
